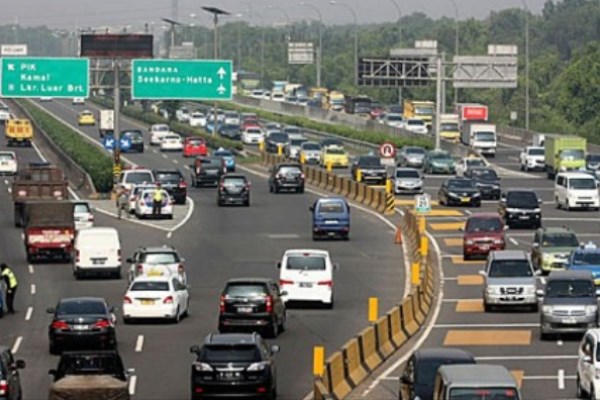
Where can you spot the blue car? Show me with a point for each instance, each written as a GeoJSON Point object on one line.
{"type": "Point", "coordinates": [586, 258]}
{"type": "Point", "coordinates": [330, 218]}
{"type": "Point", "coordinates": [228, 157]}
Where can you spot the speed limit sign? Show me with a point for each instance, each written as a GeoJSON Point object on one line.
{"type": "Point", "coordinates": [387, 150]}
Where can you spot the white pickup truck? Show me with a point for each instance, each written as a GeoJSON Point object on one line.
{"type": "Point", "coordinates": [532, 158]}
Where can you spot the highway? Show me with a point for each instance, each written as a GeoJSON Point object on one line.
{"type": "Point", "coordinates": [218, 243]}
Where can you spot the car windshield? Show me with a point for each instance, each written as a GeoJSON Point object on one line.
{"type": "Point", "coordinates": [510, 269]}
{"type": "Point", "coordinates": [81, 208]}
{"type": "Point", "coordinates": [572, 155]}
{"type": "Point", "coordinates": [297, 142]}
{"type": "Point", "coordinates": [440, 157]}
{"type": "Point", "coordinates": [370, 161]}
{"type": "Point", "coordinates": [149, 286]}
{"type": "Point", "coordinates": [449, 126]}
{"type": "Point", "coordinates": [6, 157]}
{"type": "Point", "coordinates": [483, 394]}
{"type": "Point", "coordinates": [586, 258]}
{"type": "Point", "coordinates": [172, 137]}
{"type": "Point", "coordinates": [309, 262]}
{"type": "Point", "coordinates": [213, 162]}
{"type": "Point", "coordinates": [245, 290]}
{"type": "Point", "coordinates": [478, 224]}
{"type": "Point", "coordinates": [461, 184]}
{"type": "Point", "coordinates": [195, 142]}
{"type": "Point", "coordinates": [229, 353]}
{"type": "Point", "coordinates": [415, 151]}
{"type": "Point", "coordinates": [405, 173]}
{"type": "Point", "coordinates": [197, 115]}
{"type": "Point", "coordinates": [160, 128]}
{"type": "Point", "coordinates": [134, 134]}
{"type": "Point", "coordinates": [332, 142]}
{"type": "Point", "coordinates": [234, 181]}
{"type": "Point", "coordinates": [537, 151]}
{"type": "Point", "coordinates": [485, 136]}
{"type": "Point", "coordinates": [80, 307]}
{"type": "Point", "coordinates": [486, 174]}
{"type": "Point", "coordinates": [582, 184]}
{"type": "Point", "coordinates": [475, 162]}
{"type": "Point", "coordinates": [311, 146]}
{"type": "Point", "coordinates": [159, 258]}
{"type": "Point", "coordinates": [424, 110]}
{"type": "Point", "coordinates": [331, 207]}
{"type": "Point", "coordinates": [278, 137]}
{"type": "Point", "coordinates": [287, 170]}
{"type": "Point", "coordinates": [394, 117]}
{"type": "Point", "coordinates": [96, 364]}
{"type": "Point", "coordinates": [570, 288]}
{"type": "Point", "coordinates": [138, 177]}
{"type": "Point", "coordinates": [231, 115]}
{"type": "Point", "coordinates": [560, 240]}
{"type": "Point", "coordinates": [335, 150]}
{"type": "Point", "coordinates": [254, 131]}
{"type": "Point", "coordinates": [222, 153]}
{"type": "Point", "coordinates": [169, 177]}
{"type": "Point", "coordinates": [593, 157]}
{"type": "Point", "coordinates": [416, 122]}
{"type": "Point", "coordinates": [522, 199]}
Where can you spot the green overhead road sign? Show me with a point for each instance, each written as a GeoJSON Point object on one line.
{"type": "Point", "coordinates": [181, 79]}
{"type": "Point", "coordinates": [45, 77]}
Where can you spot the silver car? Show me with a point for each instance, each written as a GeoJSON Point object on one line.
{"type": "Point", "coordinates": [311, 152]}
{"type": "Point", "coordinates": [408, 180]}
{"type": "Point", "coordinates": [509, 280]}
{"type": "Point", "coordinates": [293, 146]}
{"type": "Point", "coordinates": [411, 157]}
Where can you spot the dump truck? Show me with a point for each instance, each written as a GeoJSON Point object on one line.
{"type": "Point", "coordinates": [564, 153]}
{"type": "Point", "coordinates": [49, 230]}
{"type": "Point", "coordinates": [107, 123]}
{"type": "Point", "coordinates": [40, 181]}
{"type": "Point", "coordinates": [423, 110]}
{"type": "Point", "coordinates": [18, 132]}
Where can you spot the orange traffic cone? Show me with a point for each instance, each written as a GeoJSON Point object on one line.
{"type": "Point", "coordinates": [398, 238]}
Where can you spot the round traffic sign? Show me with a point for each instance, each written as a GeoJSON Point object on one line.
{"type": "Point", "coordinates": [387, 150]}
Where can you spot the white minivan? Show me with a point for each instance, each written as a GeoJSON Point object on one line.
{"type": "Point", "coordinates": [97, 252]}
{"type": "Point", "coordinates": [307, 275]}
{"type": "Point", "coordinates": [576, 190]}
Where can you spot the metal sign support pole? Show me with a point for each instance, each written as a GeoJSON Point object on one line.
{"type": "Point", "coordinates": [438, 102]}
{"type": "Point", "coordinates": [117, 112]}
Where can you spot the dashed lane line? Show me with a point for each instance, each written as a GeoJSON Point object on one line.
{"type": "Point", "coordinates": [16, 345]}
{"type": "Point", "coordinates": [32, 288]}
{"type": "Point", "coordinates": [132, 384]}
{"type": "Point", "coordinates": [28, 313]}
{"type": "Point", "coordinates": [30, 268]}
{"type": "Point", "coordinates": [139, 344]}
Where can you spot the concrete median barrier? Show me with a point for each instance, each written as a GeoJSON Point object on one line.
{"type": "Point", "coordinates": [384, 343]}
{"type": "Point", "coordinates": [409, 324]}
{"type": "Point", "coordinates": [322, 179]}
{"type": "Point", "coordinates": [417, 306]}
{"type": "Point", "coordinates": [369, 194]}
{"type": "Point", "coordinates": [345, 187]}
{"type": "Point", "coordinates": [356, 371]}
{"type": "Point", "coordinates": [368, 346]}
{"type": "Point", "coordinates": [398, 336]}
{"type": "Point", "coordinates": [361, 192]}
{"type": "Point", "coordinates": [309, 173]}
{"type": "Point", "coordinates": [339, 386]}
{"type": "Point", "coordinates": [338, 181]}
{"type": "Point", "coordinates": [353, 192]}
{"type": "Point", "coordinates": [320, 392]}
{"type": "Point", "coordinates": [330, 181]}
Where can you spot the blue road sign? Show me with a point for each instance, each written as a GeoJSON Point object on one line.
{"type": "Point", "coordinates": [109, 142]}
{"type": "Point", "coordinates": [124, 143]}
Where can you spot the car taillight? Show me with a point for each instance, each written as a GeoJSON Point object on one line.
{"type": "Point", "coordinates": [269, 304]}
{"type": "Point", "coordinates": [91, 218]}
{"type": "Point", "coordinates": [302, 176]}
{"type": "Point", "coordinates": [325, 283]}
{"type": "Point", "coordinates": [3, 388]}
{"type": "Point", "coordinates": [222, 187]}
{"type": "Point", "coordinates": [60, 325]}
{"type": "Point", "coordinates": [247, 186]}
{"type": "Point", "coordinates": [285, 282]}
{"type": "Point", "coordinates": [127, 300]}
{"type": "Point", "coordinates": [140, 269]}
{"type": "Point", "coordinates": [119, 255]}
{"type": "Point", "coordinates": [77, 256]}
{"type": "Point", "coordinates": [102, 324]}
{"type": "Point", "coordinates": [168, 300]}
{"type": "Point", "coordinates": [222, 304]}
{"type": "Point", "coordinates": [182, 184]}
{"type": "Point", "coordinates": [180, 269]}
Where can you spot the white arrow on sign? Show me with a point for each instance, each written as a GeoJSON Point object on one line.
{"type": "Point", "coordinates": [221, 89]}
{"type": "Point", "coordinates": [11, 67]}
{"type": "Point", "coordinates": [221, 72]}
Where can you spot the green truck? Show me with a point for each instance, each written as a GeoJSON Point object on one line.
{"type": "Point", "coordinates": [564, 153]}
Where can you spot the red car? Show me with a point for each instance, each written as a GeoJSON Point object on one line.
{"type": "Point", "coordinates": [483, 232]}
{"type": "Point", "coordinates": [194, 146]}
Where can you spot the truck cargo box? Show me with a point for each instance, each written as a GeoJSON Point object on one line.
{"type": "Point", "coordinates": [49, 214]}
{"type": "Point", "coordinates": [88, 387]}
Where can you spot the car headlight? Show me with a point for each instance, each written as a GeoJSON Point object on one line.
{"type": "Point", "coordinates": [590, 310]}
{"type": "Point", "coordinates": [202, 367]}
{"type": "Point", "coordinates": [537, 210]}
{"type": "Point", "coordinates": [529, 290]}
{"type": "Point", "coordinates": [469, 242]}
{"type": "Point", "coordinates": [493, 290]}
{"type": "Point", "coordinates": [476, 194]}
{"type": "Point", "coordinates": [547, 309]}
{"type": "Point", "coordinates": [498, 241]}
{"type": "Point", "coordinates": [452, 194]}
{"type": "Point", "coordinates": [258, 366]}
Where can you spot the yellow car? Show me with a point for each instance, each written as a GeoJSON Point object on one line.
{"type": "Point", "coordinates": [86, 118]}
{"type": "Point", "coordinates": [337, 156]}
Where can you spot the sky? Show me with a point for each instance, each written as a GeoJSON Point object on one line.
{"type": "Point", "coordinates": [72, 14]}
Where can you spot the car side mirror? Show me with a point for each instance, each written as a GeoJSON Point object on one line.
{"type": "Point", "coordinates": [113, 309]}
{"type": "Point", "coordinates": [506, 227]}
{"type": "Point", "coordinates": [130, 371]}
{"type": "Point", "coordinates": [406, 380]}
{"type": "Point", "coordinates": [598, 292]}
{"type": "Point", "coordinates": [586, 359]}
{"type": "Point", "coordinates": [483, 273]}
{"type": "Point", "coordinates": [535, 245]}
{"type": "Point", "coordinates": [540, 201]}
{"type": "Point", "coordinates": [129, 260]}
{"type": "Point", "coordinates": [52, 372]}
{"type": "Point", "coordinates": [20, 364]}
{"type": "Point", "coordinates": [279, 265]}
{"type": "Point", "coordinates": [195, 349]}
{"type": "Point", "coordinates": [311, 208]}
{"type": "Point", "coordinates": [50, 310]}
{"type": "Point", "coordinates": [538, 272]}
{"type": "Point", "coordinates": [275, 349]}
{"type": "Point", "coordinates": [182, 260]}
{"type": "Point", "coordinates": [539, 293]}
{"type": "Point", "coordinates": [283, 293]}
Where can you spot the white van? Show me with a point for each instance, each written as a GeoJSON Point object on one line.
{"type": "Point", "coordinates": [475, 381]}
{"type": "Point", "coordinates": [97, 251]}
{"type": "Point", "coordinates": [307, 275]}
{"type": "Point", "coordinates": [576, 190]}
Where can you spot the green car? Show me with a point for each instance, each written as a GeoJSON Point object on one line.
{"type": "Point", "coordinates": [439, 162]}
{"type": "Point", "coordinates": [551, 248]}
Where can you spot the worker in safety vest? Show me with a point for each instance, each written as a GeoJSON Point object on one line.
{"type": "Point", "coordinates": [157, 200]}
{"type": "Point", "coordinates": [10, 280]}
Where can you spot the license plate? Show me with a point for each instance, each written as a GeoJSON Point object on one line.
{"type": "Point", "coordinates": [524, 217]}
{"type": "Point", "coordinates": [147, 302]}
{"type": "Point", "coordinates": [306, 284]}
{"type": "Point", "coordinates": [569, 321]}
{"type": "Point", "coordinates": [464, 199]}
{"type": "Point", "coordinates": [4, 163]}
{"type": "Point", "coordinates": [484, 247]}
{"type": "Point", "coordinates": [211, 172]}
{"type": "Point", "coordinates": [331, 222]}
{"type": "Point", "coordinates": [81, 327]}
{"type": "Point", "coordinates": [98, 261]}
{"type": "Point", "coordinates": [230, 376]}
{"type": "Point", "coordinates": [244, 310]}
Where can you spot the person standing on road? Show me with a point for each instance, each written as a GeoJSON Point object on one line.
{"type": "Point", "coordinates": [157, 199]}
{"type": "Point", "coordinates": [10, 280]}
{"type": "Point", "coordinates": [122, 201]}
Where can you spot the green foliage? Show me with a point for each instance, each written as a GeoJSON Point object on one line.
{"type": "Point", "coordinates": [91, 158]}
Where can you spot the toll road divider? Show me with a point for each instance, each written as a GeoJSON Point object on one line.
{"type": "Point", "coordinates": [356, 370]}
{"type": "Point", "coordinates": [336, 369]}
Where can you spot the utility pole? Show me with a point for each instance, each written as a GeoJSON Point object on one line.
{"type": "Point", "coordinates": [117, 114]}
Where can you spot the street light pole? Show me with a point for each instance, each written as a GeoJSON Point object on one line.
{"type": "Point", "coordinates": [397, 6]}
{"type": "Point", "coordinates": [456, 43]}
{"type": "Point", "coordinates": [320, 49]}
{"type": "Point", "coordinates": [347, 7]}
{"type": "Point", "coordinates": [289, 34]}
{"type": "Point", "coordinates": [526, 65]}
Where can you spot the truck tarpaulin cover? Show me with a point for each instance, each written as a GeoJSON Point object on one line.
{"type": "Point", "coordinates": [47, 214]}
{"type": "Point", "coordinates": [89, 387]}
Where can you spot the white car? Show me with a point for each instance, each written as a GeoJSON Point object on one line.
{"type": "Point", "coordinates": [395, 120]}
{"type": "Point", "coordinates": [532, 157]}
{"type": "Point", "coordinates": [252, 135]}
{"type": "Point", "coordinates": [307, 275]}
{"type": "Point", "coordinates": [130, 177]}
{"type": "Point", "coordinates": [278, 97]}
{"type": "Point", "coordinates": [576, 190]}
{"type": "Point", "coordinates": [78, 101]}
{"type": "Point", "coordinates": [469, 162]}
{"type": "Point", "coordinates": [144, 203]}
{"type": "Point", "coordinates": [82, 214]}
{"type": "Point", "coordinates": [162, 296]}
{"type": "Point", "coordinates": [182, 115]}
{"type": "Point", "coordinates": [171, 142]}
{"type": "Point", "coordinates": [8, 163]}
{"type": "Point", "coordinates": [4, 112]}
{"type": "Point", "coordinates": [197, 119]}
{"type": "Point", "coordinates": [134, 194]}
{"type": "Point", "coordinates": [416, 125]}
{"type": "Point", "coordinates": [257, 94]}
{"type": "Point", "coordinates": [311, 152]}
{"type": "Point", "coordinates": [588, 365]}
{"type": "Point", "coordinates": [159, 259]}
{"type": "Point", "coordinates": [157, 133]}
{"type": "Point", "coordinates": [231, 118]}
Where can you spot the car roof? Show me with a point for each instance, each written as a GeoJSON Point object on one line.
{"type": "Point", "coordinates": [520, 191]}
{"type": "Point", "coordinates": [309, 251]}
{"type": "Point", "coordinates": [154, 278]}
{"type": "Point", "coordinates": [575, 175]}
{"type": "Point", "coordinates": [406, 169]}
{"type": "Point", "coordinates": [167, 171]}
{"type": "Point", "coordinates": [157, 249]}
{"type": "Point", "coordinates": [556, 229]}
{"type": "Point", "coordinates": [569, 274]}
{"type": "Point", "coordinates": [486, 215]}
{"type": "Point", "coordinates": [288, 165]}
{"type": "Point", "coordinates": [236, 176]}
{"type": "Point", "coordinates": [231, 338]}
{"type": "Point", "coordinates": [80, 299]}
{"type": "Point", "coordinates": [477, 374]}
{"type": "Point", "coordinates": [331, 200]}
{"type": "Point", "coordinates": [443, 353]}
{"type": "Point", "coordinates": [250, 280]}
{"type": "Point", "coordinates": [508, 255]}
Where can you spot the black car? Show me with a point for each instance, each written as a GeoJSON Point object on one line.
{"type": "Point", "coordinates": [487, 180]}
{"type": "Point", "coordinates": [372, 171]}
{"type": "Point", "coordinates": [207, 171]}
{"type": "Point", "coordinates": [521, 208]}
{"type": "Point", "coordinates": [254, 304]}
{"type": "Point", "coordinates": [274, 141]}
{"type": "Point", "coordinates": [229, 131]}
{"type": "Point", "coordinates": [234, 365]}
{"type": "Point", "coordinates": [287, 176]}
{"type": "Point", "coordinates": [81, 321]}
{"type": "Point", "coordinates": [418, 379]}
{"type": "Point", "coordinates": [234, 189]}
{"type": "Point", "coordinates": [136, 137]}
{"type": "Point", "coordinates": [103, 362]}
{"type": "Point", "coordinates": [331, 142]}
{"type": "Point", "coordinates": [459, 191]}
{"type": "Point", "coordinates": [173, 182]}
{"type": "Point", "coordinates": [10, 381]}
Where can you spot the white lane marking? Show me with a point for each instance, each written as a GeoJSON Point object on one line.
{"type": "Point", "coordinates": [578, 219]}
{"type": "Point", "coordinates": [139, 343]}
{"type": "Point", "coordinates": [132, 383]}
{"type": "Point", "coordinates": [28, 313]}
{"type": "Point", "coordinates": [9, 189]}
{"type": "Point", "coordinates": [526, 358]}
{"type": "Point", "coordinates": [164, 156]}
{"type": "Point", "coordinates": [469, 212]}
{"type": "Point", "coordinates": [22, 236]}
{"type": "Point", "coordinates": [513, 241]}
{"type": "Point", "coordinates": [16, 345]}
{"type": "Point", "coordinates": [559, 342]}
{"type": "Point", "coordinates": [175, 161]}
{"type": "Point", "coordinates": [154, 151]}
{"type": "Point", "coordinates": [187, 216]}
{"type": "Point", "coordinates": [39, 153]}
{"type": "Point", "coordinates": [32, 288]}
{"type": "Point", "coordinates": [6, 182]}
{"type": "Point", "coordinates": [510, 325]}
{"type": "Point", "coordinates": [546, 377]}
{"type": "Point", "coordinates": [561, 379]}
{"type": "Point", "coordinates": [283, 236]}
{"type": "Point", "coordinates": [186, 167]}
{"type": "Point", "coordinates": [135, 221]}
{"type": "Point", "coordinates": [30, 268]}
{"type": "Point", "coordinates": [543, 280]}
{"type": "Point", "coordinates": [169, 235]}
